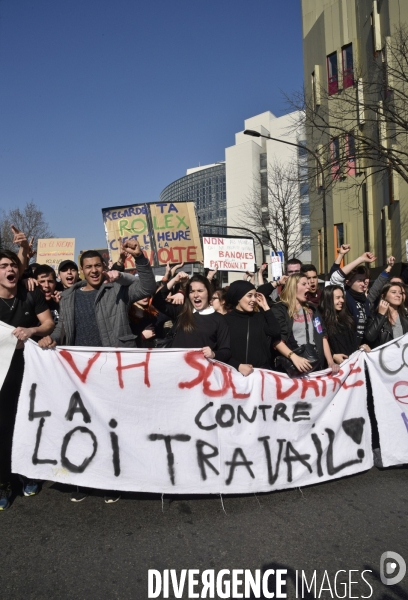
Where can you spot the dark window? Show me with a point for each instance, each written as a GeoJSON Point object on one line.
{"type": "Point", "coordinates": [351, 154]}
{"type": "Point", "coordinates": [302, 151]}
{"type": "Point", "coordinates": [262, 161]}
{"type": "Point", "coordinates": [332, 74]}
{"type": "Point", "coordinates": [348, 72]}
{"type": "Point", "coordinates": [335, 156]}
{"type": "Point", "coordinates": [304, 210]}
{"type": "Point", "coordinates": [304, 189]}
{"type": "Point", "coordinates": [314, 93]}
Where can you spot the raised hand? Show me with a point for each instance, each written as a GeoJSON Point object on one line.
{"type": "Point", "coordinates": [344, 249]}
{"type": "Point", "coordinates": [261, 301]}
{"type": "Point", "coordinates": [390, 261]}
{"type": "Point", "coordinates": [368, 257]}
{"type": "Point", "coordinates": [383, 306]}
{"type": "Point", "coordinates": [19, 238]}
{"type": "Point", "coordinates": [212, 273]}
{"type": "Point", "coordinates": [132, 247]}
{"type": "Point", "coordinates": [174, 269]}
{"type": "Point", "coordinates": [31, 251]}
{"type": "Point", "coordinates": [181, 276]}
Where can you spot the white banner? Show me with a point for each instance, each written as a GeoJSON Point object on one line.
{"type": "Point", "coordinates": [229, 254]}
{"type": "Point", "coordinates": [172, 421]}
{"type": "Point", "coordinates": [8, 343]}
{"type": "Point", "coordinates": [388, 368]}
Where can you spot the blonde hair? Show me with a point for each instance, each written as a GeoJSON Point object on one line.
{"type": "Point", "coordinates": [288, 295]}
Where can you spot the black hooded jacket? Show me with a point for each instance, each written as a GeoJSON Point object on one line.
{"type": "Point", "coordinates": [251, 335]}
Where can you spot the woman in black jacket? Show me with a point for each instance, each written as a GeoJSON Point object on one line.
{"type": "Point", "coordinates": [197, 325]}
{"type": "Point", "coordinates": [300, 324]}
{"type": "Point", "coordinates": [250, 331]}
{"type": "Point", "coordinates": [340, 325]}
{"type": "Point", "coordinates": [390, 321]}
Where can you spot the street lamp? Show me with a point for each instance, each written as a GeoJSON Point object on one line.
{"type": "Point", "coordinates": [322, 187]}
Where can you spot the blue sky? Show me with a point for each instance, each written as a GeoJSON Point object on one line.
{"type": "Point", "coordinates": [105, 103]}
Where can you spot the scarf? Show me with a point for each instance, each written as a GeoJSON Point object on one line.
{"type": "Point", "coordinates": [358, 296]}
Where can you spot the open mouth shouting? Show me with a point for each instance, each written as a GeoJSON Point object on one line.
{"type": "Point", "coordinates": [198, 296]}
{"type": "Point", "coordinates": [8, 275]}
{"type": "Point", "coordinates": [198, 303]}
{"type": "Point", "coordinates": [12, 278]}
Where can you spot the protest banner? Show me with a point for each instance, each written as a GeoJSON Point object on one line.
{"type": "Point", "coordinates": [388, 369]}
{"type": "Point", "coordinates": [52, 251]}
{"type": "Point", "coordinates": [229, 253]}
{"type": "Point", "coordinates": [8, 344]}
{"type": "Point", "coordinates": [167, 232]}
{"type": "Point", "coordinates": [113, 425]}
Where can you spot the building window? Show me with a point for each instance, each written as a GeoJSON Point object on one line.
{"type": "Point", "coordinates": [320, 249]}
{"type": "Point", "coordinates": [384, 236]}
{"type": "Point", "coordinates": [351, 154]}
{"type": "Point", "coordinates": [332, 74]}
{"type": "Point", "coordinates": [335, 157]}
{"type": "Point", "coordinates": [348, 71]}
{"type": "Point", "coordinates": [338, 239]}
{"type": "Point", "coordinates": [263, 161]}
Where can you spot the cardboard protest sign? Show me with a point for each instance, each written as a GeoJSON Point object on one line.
{"type": "Point", "coordinates": [388, 368]}
{"type": "Point", "coordinates": [128, 222]}
{"type": "Point", "coordinates": [229, 253]}
{"type": "Point", "coordinates": [52, 251]}
{"type": "Point", "coordinates": [111, 426]}
{"type": "Point", "coordinates": [167, 232]}
{"type": "Point", "coordinates": [175, 232]}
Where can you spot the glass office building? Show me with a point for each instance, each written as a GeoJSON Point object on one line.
{"type": "Point", "coordinates": [205, 186]}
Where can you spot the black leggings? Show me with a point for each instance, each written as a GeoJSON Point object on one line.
{"type": "Point", "coordinates": [9, 394]}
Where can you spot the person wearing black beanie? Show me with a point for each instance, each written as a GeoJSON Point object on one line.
{"type": "Point", "coordinates": [251, 332]}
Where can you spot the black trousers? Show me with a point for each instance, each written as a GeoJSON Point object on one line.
{"type": "Point", "coordinates": [9, 395]}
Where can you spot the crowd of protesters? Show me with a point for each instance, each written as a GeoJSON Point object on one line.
{"type": "Point", "coordinates": [289, 325]}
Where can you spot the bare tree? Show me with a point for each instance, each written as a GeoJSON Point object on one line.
{"type": "Point", "coordinates": [273, 209]}
{"type": "Point", "coordinates": [358, 123]}
{"type": "Point", "coordinates": [30, 220]}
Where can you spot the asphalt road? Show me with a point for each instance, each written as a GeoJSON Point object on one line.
{"type": "Point", "coordinates": [52, 548]}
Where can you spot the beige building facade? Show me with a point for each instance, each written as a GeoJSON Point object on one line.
{"type": "Point", "coordinates": [343, 41]}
